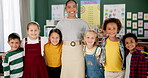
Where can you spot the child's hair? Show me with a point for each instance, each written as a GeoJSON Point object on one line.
{"type": "Point", "coordinates": [114, 20]}
{"type": "Point", "coordinates": [69, 1]}
{"type": "Point", "coordinates": [92, 31]}
{"type": "Point", "coordinates": [58, 32]}
{"type": "Point", "coordinates": [33, 23]}
{"type": "Point", "coordinates": [129, 35]}
{"type": "Point", "coordinates": [13, 36]}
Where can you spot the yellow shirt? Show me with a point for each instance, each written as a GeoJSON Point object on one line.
{"type": "Point", "coordinates": [113, 57]}
{"type": "Point", "coordinates": [53, 54]}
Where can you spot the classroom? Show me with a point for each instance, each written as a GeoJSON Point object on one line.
{"type": "Point", "coordinates": [17, 15]}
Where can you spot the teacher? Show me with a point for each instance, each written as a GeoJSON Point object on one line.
{"type": "Point", "coordinates": [72, 29]}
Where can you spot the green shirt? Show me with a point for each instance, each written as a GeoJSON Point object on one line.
{"type": "Point", "coordinates": [13, 64]}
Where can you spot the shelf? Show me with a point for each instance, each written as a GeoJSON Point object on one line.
{"type": "Point", "coordinates": [142, 38]}
{"type": "Point", "coordinates": [143, 42]}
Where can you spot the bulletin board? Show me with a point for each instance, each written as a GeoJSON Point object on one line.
{"type": "Point", "coordinates": [136, 15]}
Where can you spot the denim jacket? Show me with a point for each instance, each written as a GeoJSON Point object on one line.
{"type": "Point", "coordinates": [102, 59]}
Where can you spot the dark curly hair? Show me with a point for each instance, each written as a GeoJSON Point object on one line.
{"type": "Point", "coordinates": [129, 35]}
{"type": "Point", "coordinates": [114, 20]}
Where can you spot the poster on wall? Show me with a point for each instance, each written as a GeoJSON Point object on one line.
{"type": "Point", "coordinates": [134, 25]}
{"type": "Point", "coordinates": [140, 31]}
{"type": "Point", "coordinates": [116, 11]}
{"type": "Point", "coordinates": [129, 15]}
{"type": "Point", "coordinates": [140, 23]}
{"type": "Point", "coordinates": [128, 30]}
{"type": "Point", "coordinates": [58, 12]}
{"type": "Point", "coordinates": [134, 32]}
{"type": "Point", "coordinates": [128, 24]}
{"type": "Point", "coordinates": [146, 16]}
{"type": "Point", "coordinates": [145, 33]}
{"type": "Point", "coordinates": [134, 16]}
{"type": "Point", "coordinates": [140, 15]}
{"type": "Point", "coordinates": [146, 25]}
{"type": "Point", "coordinates": [90, 12]}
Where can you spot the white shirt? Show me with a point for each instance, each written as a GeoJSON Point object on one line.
{"type": "Point", "coordinates": [128, 63]}
{"type": "Point", "coordinates": [44, 40]}
{"type": "Point", "coordinates": [72, 29]}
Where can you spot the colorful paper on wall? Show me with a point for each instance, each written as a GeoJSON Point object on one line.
{"type": "Point", "coordinates": [58, 12]}
{"type": "Point", "coordinates": [134, 16]}
{"type": "Point", "coordinates": [134, 25]}
{"type": "Point", "coordinates": [129, 15]}
{"type": "Point", "coordinates": [145, 33]}
{"type": "Point", "coordinates": [146, 16]}
{"type": "Point", "coordinates": [90, 12]}
{"type": "Point", "coordinates": [128, 30]}
{"type": "Point", "coordinates": [128, 23]}
{"type": "Point", "coordinates": [134, 32]}
{"type": "Point", "coordinates": [140, 31]}
{"type": "Point", "coordinates": [140, 15]}
{"type": "Point", "coordinates": [116, 11]}
{"type": "Point", "coordinates": [146, 25]}
{"type": "Point", "coordinates": [140, 23]}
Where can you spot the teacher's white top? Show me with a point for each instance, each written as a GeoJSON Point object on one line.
{"type": "Point", "coordinates": [72, 29]}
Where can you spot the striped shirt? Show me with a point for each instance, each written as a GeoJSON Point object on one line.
{"type": "Point", "coordinates": [13, 64]}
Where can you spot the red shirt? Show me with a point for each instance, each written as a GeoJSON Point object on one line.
{"type": "Point", "coordinates": [138, 67]}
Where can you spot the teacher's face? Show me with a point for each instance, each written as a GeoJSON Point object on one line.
{"type": "Point", "coordinates": [71, 9]}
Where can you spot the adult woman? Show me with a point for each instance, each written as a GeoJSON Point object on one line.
{"type": "Point", "coordinates": [72, 29]}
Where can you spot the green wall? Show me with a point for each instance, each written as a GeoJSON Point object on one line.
{"type": "Point", "coordinates": [43, 8]}
{"type": "Point", "coordinates": [133, 6]}
{"type": "Point", "coordinates": [43, 11]}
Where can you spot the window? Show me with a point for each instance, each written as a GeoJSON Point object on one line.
{"type": "Point", "coordinates": [9, 21]}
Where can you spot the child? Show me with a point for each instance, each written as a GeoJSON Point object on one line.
{"type": "Point", "coordinates": [92, 55]}
{"type": "Point", "coordinates": [34, 64]}
{"type": "Point", "coordinates": [13, 61]}
{"type": "Point", "coordinates": [136, 66]}
{"type": "Point", "coordinates": [53, 50]}
{"type": "Point", "coordinates": [113, 56]}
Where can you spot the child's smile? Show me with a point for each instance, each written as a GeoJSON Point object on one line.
{"type": "Point", "coordinates": [130, 43]}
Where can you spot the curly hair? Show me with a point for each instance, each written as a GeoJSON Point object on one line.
{"type": "Point", "coordinates": [114, 20]}
{"type": "Point", "coordinates": [129, 35]}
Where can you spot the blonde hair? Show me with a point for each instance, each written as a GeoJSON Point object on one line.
{"type": "Point", "coordinates": [92, 31]}
{"type": "Point", "coordinates": [33, 23]}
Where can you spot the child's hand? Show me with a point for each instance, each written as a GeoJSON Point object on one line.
{"type": "Point", "coordinates": [3, 56]}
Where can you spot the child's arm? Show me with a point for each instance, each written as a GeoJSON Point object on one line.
{"type": "Point", "coordinates": [3, 56]}
{"type": "Point", "coordinates": [6, 67]}
{"type": "Point", "coordinates": [98, 52]}
{"type": "Point", "coordinates": [142, 67]}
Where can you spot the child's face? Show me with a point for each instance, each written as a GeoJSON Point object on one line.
{"type": "Point", "coordinates": [111, 29]}
{"type": "Point", "coordinates": [54, 38]}
{"type": "Point", "coordinates": [90, 38]}
{"type": "Point", "coordinates": [130, 43]}
{"type": "Point", "coordinates": [71, 9]}
{"type": "Point", "coordinates": [33, 32]}
{"type": "Point", "coordinates": [14, 44]}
